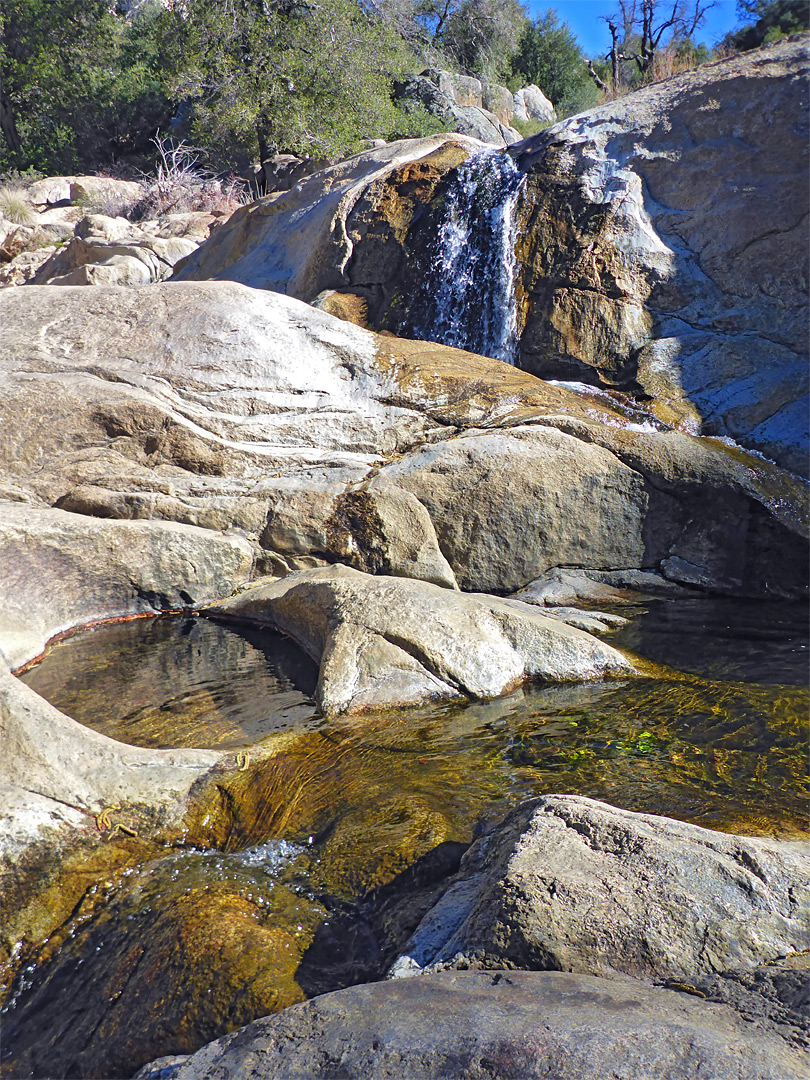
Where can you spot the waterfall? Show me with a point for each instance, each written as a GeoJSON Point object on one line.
{"type": "Point", "coordinates": [466, 294]}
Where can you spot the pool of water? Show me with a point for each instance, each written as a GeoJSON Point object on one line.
{"type": "Point", "coordinates": [178, 681]}
{"type": "Point", "coordinates": [235, 923]}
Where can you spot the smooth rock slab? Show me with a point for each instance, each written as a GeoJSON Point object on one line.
{"type": "Point", "coordinates": [570, 884]}
{"type": "Point", "coordinates": [476, 1025]}
{"type": "Point", "coordinates": [385, 641]}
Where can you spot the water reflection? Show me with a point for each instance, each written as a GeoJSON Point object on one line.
{"type": "Point", "coordinates": [178, 681]}
{"type": "Point", "coordinates": [193, 944]}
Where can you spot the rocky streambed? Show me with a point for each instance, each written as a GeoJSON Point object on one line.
{"type": "Point", "coordinates": [489, 680]}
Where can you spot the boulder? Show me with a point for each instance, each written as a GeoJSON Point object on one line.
{"type": "Point", "coordinates": [498, 100]}
{"type": "Point", "coordinates": [501, 1025]}
{"type": "Point", "coordinates": [663, 246]}
{"type": "Point", "coordinates": [462, 89]}
{"type": "Point", "coordinates": [325, 442]}
{"type": "Point", "coordinates": [471, 120]}
{"type": "Point", "coordinates": [530, 103]}
{"type": "Point", "coordinates": [384, 641]}
{"type": "Point", "coordinates": [298, 242]}
{"type": "Point", "coordinates": [569, 884]}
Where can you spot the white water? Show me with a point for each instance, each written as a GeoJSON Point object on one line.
{"type": "Point", "coordinates": [466, 296]}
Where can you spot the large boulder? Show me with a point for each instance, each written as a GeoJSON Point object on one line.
{"type": "Point", "coordinates": [474, 120]}
{"type": "Point", "coordinates": [383, 641]}
{"type": "Point", "coordinates": [503, 1026]}
{"type": "Point", "coordinates": [222, 407]}
{"type": "Point", "coordinates": [664, 248]}
{"type": "Point", "coordinates": [299, 242]}
{"type": "Point", "coordinates": [570, 884]}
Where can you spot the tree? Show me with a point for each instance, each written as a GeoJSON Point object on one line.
{"type": "Point", "coordinates": [773, 19]}
{"type": "Point", "coordinates": [639, 28]}
{"type": "Point", "coordinates": [77, 83]}
{"type": "Point", "coordinates": [306, 76]}
{"type": "Point", "coordinates": [481, 36]}
{"type": "Point", "coordinates": [549, 56]}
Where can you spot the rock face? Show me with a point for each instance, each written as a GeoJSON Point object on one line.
{"type": "Point", "coordinates": [570, 884]}
{"type": "Point", "coordinates": [661, 245]}
{"type": "Point", "coordinates": [664, 248]}
{"type": "Point", "coordinates": [221, 407]}
{"type": "Point", "coordinates": [388, 641]}
{"type": "Point", "coordinates": [504, 1025]}
{"type": "Point", "coordinates": [301, 241]}
{"type": "Point", "coordinates": [320, 440]}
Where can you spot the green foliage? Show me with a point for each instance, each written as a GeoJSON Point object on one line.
{"type": "Point", "coordinates": [480, 36]}
{"type": "Point", "coordinates": [774, 19]}
{"type": "Point", "coordinates": [78, 85]}
{"type": "Point", "coordinates": [549, 56]}
{"type": "Point", "coordinates": [308, 78]}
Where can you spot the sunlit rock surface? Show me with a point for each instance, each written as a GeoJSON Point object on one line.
{"type": "Point", "coordinates": [384, 641]}
{"type": "Point", "coordinates": [571, 884]}
{"type": "Point", "coordinates": [662, 245]}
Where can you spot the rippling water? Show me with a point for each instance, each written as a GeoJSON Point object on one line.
{"type": "Point", "coordinates": [175, 950]}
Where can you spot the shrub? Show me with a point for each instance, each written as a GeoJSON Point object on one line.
{"type": "Point", "coordinates": [15, 206]}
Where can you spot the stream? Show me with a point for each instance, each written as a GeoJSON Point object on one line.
{"type": "Point", "coordinates": [305, 870]}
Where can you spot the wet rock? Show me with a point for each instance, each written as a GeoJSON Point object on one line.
{"type": "Point", "coordinates": [300, 242]}
{"type": "Point", "coordinates": [567, 883]}
{"type": "Point", "coordinates": [663, 246]}
{"type": "Point", "coordinates": [186, 946]}
{"type": "Point", "coordinates": [385, 641]}
{"type": "Point", "coordinates": [506, 1025]}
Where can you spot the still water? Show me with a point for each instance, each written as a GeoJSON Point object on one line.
{"type": "Point", "coordinates": [239, 919]}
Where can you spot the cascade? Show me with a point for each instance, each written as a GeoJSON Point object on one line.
{"type": "Point", "coordinates": [466, 295]}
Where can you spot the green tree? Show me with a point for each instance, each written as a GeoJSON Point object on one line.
{"type": "Point", "coordinates": [550, 57]}
{"type": "Point", "coordinates": [481, 36]}
{"type": "Point", "coordinates": [78, 87]}
{"type": "Point", "coordinates": [308, 77]}
{"type": "Point", "coordinates": [772, 19]}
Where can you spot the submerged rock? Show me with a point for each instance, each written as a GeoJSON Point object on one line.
{"type": "Point", "coordinates": [385, 641]}
{"type": "Point", "coordinates": [567, 883]}
{"type": "Point", "coordinates": [504, 1026]}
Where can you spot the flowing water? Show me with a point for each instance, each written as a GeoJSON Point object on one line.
{"type": "Point", "coordinates": [466, 295]}
{"type": "Point", "coordinates": [258, 907]}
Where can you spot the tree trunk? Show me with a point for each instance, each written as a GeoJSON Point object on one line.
{"type": "Point", "coordinates": [8, 124]}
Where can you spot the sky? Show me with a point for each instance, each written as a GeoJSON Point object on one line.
{"type": "Point", "coordinates": [584, 18]}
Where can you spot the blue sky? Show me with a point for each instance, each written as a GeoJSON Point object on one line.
{"type": "Point", "coordinates": [583, 16]}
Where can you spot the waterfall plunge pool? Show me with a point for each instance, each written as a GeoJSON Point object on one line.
{"type": "Point", "coordinates": [258, 907]}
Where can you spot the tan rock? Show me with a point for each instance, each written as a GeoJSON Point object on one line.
{"type": "Point", "coordinates": [384, 641]}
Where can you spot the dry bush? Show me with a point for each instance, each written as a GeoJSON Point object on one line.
{"type": "Point", "coordinates": [16, 207]}
{"type": "Point", "coordinates": [180, 185]}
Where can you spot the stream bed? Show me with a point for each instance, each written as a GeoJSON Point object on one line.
{"type": "Point", "coordinates": [305, 870]}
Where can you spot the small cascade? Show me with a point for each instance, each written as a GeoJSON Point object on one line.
{"type": "Point", "coordinates": [466, 295]}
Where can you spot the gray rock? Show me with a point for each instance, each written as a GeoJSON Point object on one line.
{"type": "Point", "coordinates": [561, 586]}
{"type": "Point", "coordinates": [471, 120]}
{"type": "Point", "coordinates": [532, 104]}
{"type": "Point", "coordinates": [385, 641]}
{"type": "Point", "coordinates": [58, 570]}
{"type": "Point", "coordinates": [567, 883]}
{"type": "Point", "coordinates": [507, 1025]}
{"type": "Point", "coordinates": [667, 248]}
